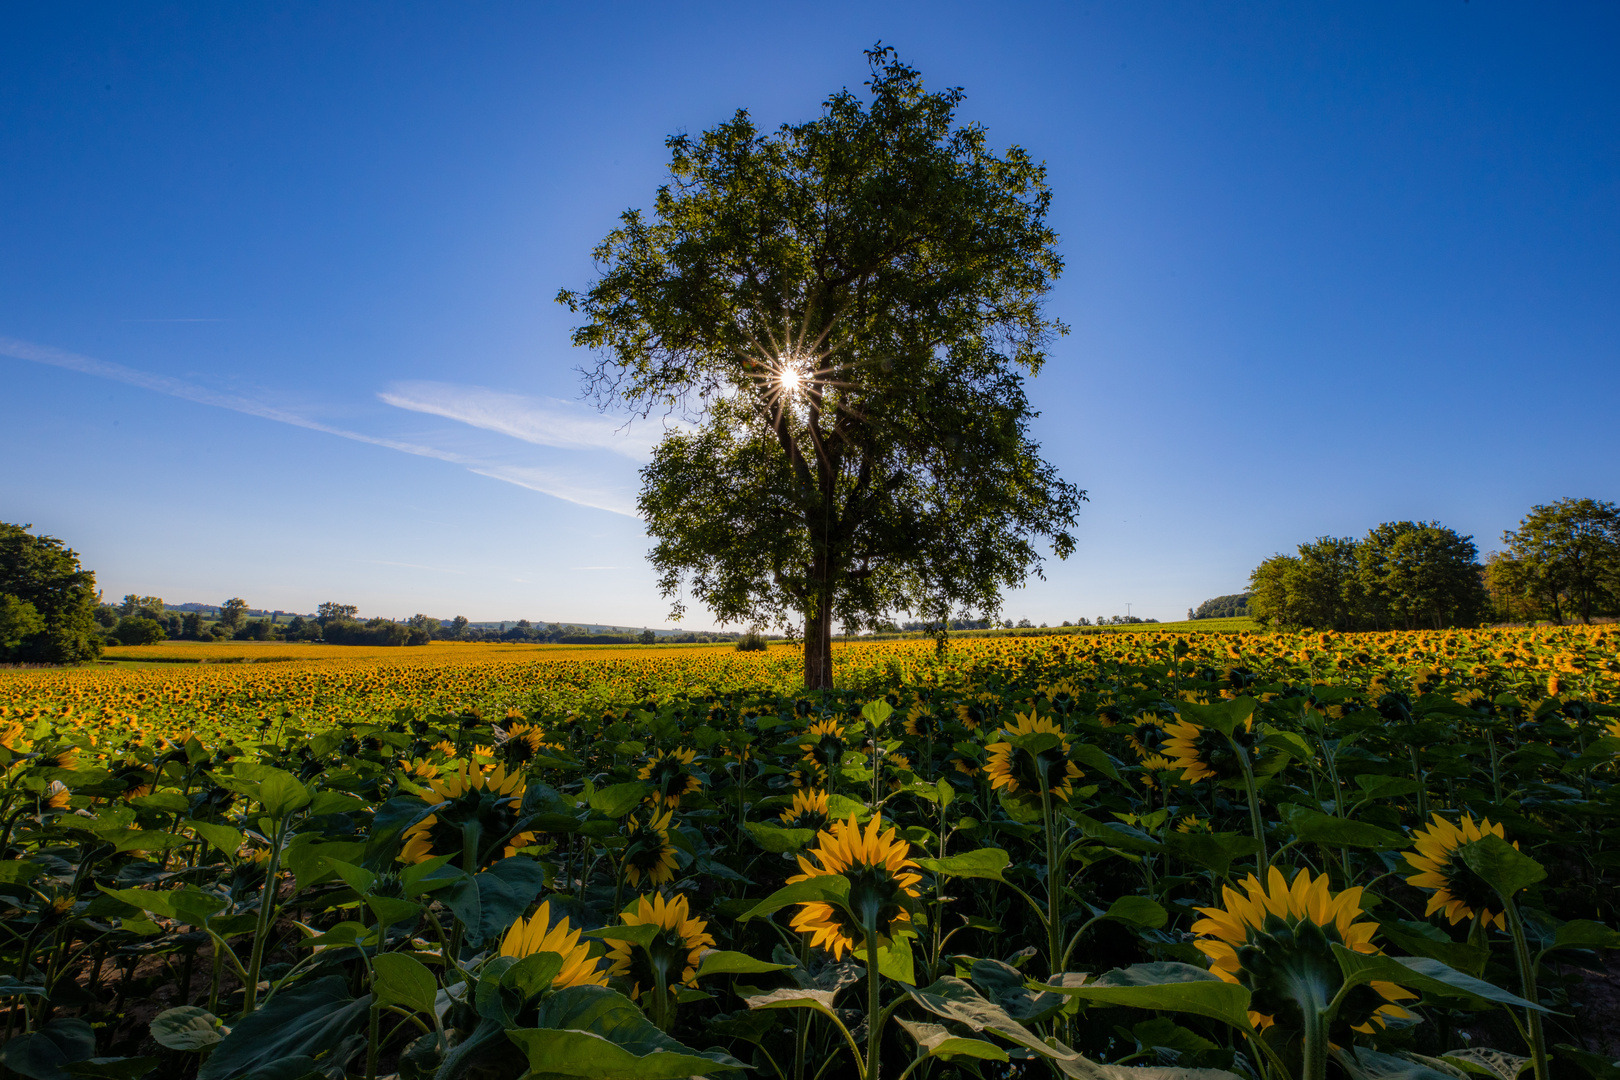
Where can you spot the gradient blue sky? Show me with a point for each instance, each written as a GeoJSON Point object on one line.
{"type": "Point", "coordinates": [276, 281]}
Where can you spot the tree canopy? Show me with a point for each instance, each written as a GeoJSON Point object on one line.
{"type": "Point", "coordinates": [1563, 559]}
{"type": "Point", "coordinates": [1401, 575]}
{"type": "Point", "coordinates": [841, 314]}
{"type": "Point", "coordinates": [47, 600]}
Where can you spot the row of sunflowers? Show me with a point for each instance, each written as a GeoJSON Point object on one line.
{"type": "Point", "coordinates": [1131, 857]}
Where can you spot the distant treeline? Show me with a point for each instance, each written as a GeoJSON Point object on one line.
{"type": "Point", "coordinates": [1562, 562]}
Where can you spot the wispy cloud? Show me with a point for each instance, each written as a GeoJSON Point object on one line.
{"type": "Point", "coordinates": [544, 421]}
{"type": "Point", "coordinates": [532, 478]}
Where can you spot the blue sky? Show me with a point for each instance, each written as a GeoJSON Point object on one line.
{"type": "Point", "coordinates": [276, 283]}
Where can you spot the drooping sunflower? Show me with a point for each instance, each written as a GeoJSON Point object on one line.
{"type": "Point", "coordinates": [1017, 772]}
{"type": "Point", "coordinates": [11, 738]}
{"type": "Point", "coordinates": [1146, 734]}
{"type": "Point", "coordinates": [670, 772]}
{"type": "Point", "coordinates": [973, 714]}
{"type": "Point", "coordinates": [1457, 890]}
{"type": "Point", "coordinates": [1156, 771]}
{"type": "Point", "coordinates": [55, 797]}
{"type": "Point", "coordinates": [462, 796]}
{"type": "Point", "coordinates": [1200, 753]}
{"type": "Point", "coordinates": [536, 934]}
{"type": "Point", "coordinates": [649, 853]}
{"type": "Point", "coordinates": [518, 744]}
{"type": "Point", "coordinates": [1277, 941]}
{"type": "Point", "coordinates": [809, 810]}
{"type": "Point", "coordinates": [878, 865]}
{"type": "Point", "coordinates": [63, 757]}
{"type": "Point", "coordinates": [674, 953]}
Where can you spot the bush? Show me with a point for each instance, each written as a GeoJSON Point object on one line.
{"type": "Point", "coordinates": [751, 642]}
{"type": "Point", "coordinates": [136, 630]}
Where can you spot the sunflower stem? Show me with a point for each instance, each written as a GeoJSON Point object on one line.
{"type": "Point", "coordinates": [874, 1019]}
{"type": "Point", "coordinates": [1255, 821]}
{"type": "Point", "coordinates": [267, 903]}
{"type": "Point", "coordinates": [1527, 987]}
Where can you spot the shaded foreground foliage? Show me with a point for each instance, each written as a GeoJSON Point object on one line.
{"type": "Point", "coordinates": [1047, 846]}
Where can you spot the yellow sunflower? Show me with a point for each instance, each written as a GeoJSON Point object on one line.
{"type": "Point", "coordinates": [1277, 940]}
{"type": "Point", "coordinates": [878, 865]}
{"type": "Point", "coordinates": [649, 853]}
{"type": "Point", "coordinates": [1146, 734]}
{"type": "Point", "coordinates": [1019, 773]}
{"type": "Point", "coordinates": [56, 796]}
{"type": "Point", "coordinates": [1457, 890]}
{"type": "Point", "coordinates": [1156, 770]}
{"type": "Point", "coordinates": [536, 934]}
{"type": "Point", "coordinates": [1200, 753]}
{"type": "Point", "coordinates": [809, 810]}
{"type": "Point", "coordinates": [921, 722]}
{"type": "Point", "coordinates": [669, 771]}
{"type": "Point", "coordinates": [11, 737]}
{"type": "Point", "coordinates": [461, 795]}
{"type": "Point", "coordinates": [677, 948]}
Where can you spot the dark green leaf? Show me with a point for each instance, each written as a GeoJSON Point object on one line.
{"type": "Point", "coordinates": [42, 1054]}
{"type": "Point", "coordinates": [983, 863]}
{"type": "Point", "coordinates": [1167, 987]}
{"type": "Point", "coordinates": [303, 1021]}
{"type": "Point", "coordinates": [592, 1031]}
{"type": "Point", "coordinates": [1504, 867]}
{"type": "Point", "coordinates": [937, 1041]}
{"type": "Point", "coordinates": [1424, 975]}
{"type": "Point", "coordinates": [188, 1027]}
{"type": "Point", "coordinates": [827, 888]}
{"type": "Point", "coordinates": [398, 979]}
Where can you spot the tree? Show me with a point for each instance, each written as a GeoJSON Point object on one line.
{"type": "Point", "coordinates": [233, 612]}
{"type": "Point", "coordinates": [43, 573]}
{"type": "Point", "coordinates": [427, 625]}
{"type": "Point", "coordinates": [141, 607]}
{"type": "Point", "coordinates": [845, 309]}
{"type": "Point", "coordinates": [1420, 573]}
{"type": "Point", "coordinates": [329, 611]}
{"type": "Point", "coordinates": [138, 630]}
{"type": "Point", "coordinates": [647, 637]}
{"type": "Point", "coordinates": [458, 628]}
{"type": "Point", "coordinates": [19, 621]}
{"type": "Point", "coordinates": [1564, 553]}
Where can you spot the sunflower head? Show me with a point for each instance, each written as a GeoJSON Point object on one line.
{"type": "Point", "coordinates": [670, 773]}
{"type": "Point", "coordinates": [649, 854]}
{"type": "Point", "coordinates": [536, 934]}
{"type": "Point", "coordinates": [1276, 939]}
{"type": "Point", "coordinates": [671, 957]}
{"type": "Point", "coordinates": [1146, 734]}
{"type": "Point", "coordinates": [824, 744]}
{"type": "Point", "coordinates": [809, 810]}
{"type": "Point", "coordinates": [1017, 769]}
{"type": "Point", "coordinates": [55, 797]}
{"type": "Point", "coordinates": [1157, 770]}
{"type": "Point", "coordinates": [1202, 753]}
{"type": "Point", "coordinates": [921, 722]}
{"type": "Point", "coordinates": [471, 806]}
{"type": "Point", "coordinates": [1456, 889]}
{"type": "Point", "coordinates": [882, 885]}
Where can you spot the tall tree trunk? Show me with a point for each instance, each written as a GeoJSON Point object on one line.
{"type": "Point", "coordinates": [818, 650]}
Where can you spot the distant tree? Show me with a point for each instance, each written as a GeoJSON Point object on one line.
{"type": "Point", "coordinates": [106, 616]}
{"type": "Point", "coordinates": [1024, 624]}
{"type": "Point", "coordinates": [849, 306]}
{"type": "Point", "coordinates": [330, 610]}
{"type": "Point", "coordinates": [647, 637]}
{"type": "Point", "coordinates": [143, 607]}
{"type": "Point", "coordinates": [1420, 574]}
{"type": "Point", "coordinates": [256, 630]}
{"type": "Point", "coordinates": [1235, 605]}
{"type": "Point", "coordinates": [191, 626]}
{"type": "Point", "coordinates": [138, 630]}
{"type": "Point", "coordinates": [1564, 558]}
{"type": "Point", "coordinates": [232, 613]}
{"type": "Point", "coordinates": [457, 630]}
{"type": "Point", "coordinates": [423, 623]}
{"type": "Point", "coordinates": [42, 572]}
{"type": "Point", "coordinates": [19, 621]}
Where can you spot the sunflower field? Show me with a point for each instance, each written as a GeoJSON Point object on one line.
{"type": "Point", "coordinates": [1102, 856]}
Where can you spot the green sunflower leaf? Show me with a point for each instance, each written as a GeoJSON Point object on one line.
{"type": "Point", "coordinates": [937, 1041]}
{"type": "Point", "coordinates": [1424, 975]}
{"type": "Point", "coordinates": [721, 962]}
{"type": "Point", "coordinates": [398, 979]}
{"type": "Point", "coordinates": [984, 863]}
{"type": "Point", "coordinates": [826, 888]}
{"type": "Point", "coordinates": [592, 1031]}
{"type": "Point", "coordinates": [1165, 987]}
{"type": "Point", "coordinates": [776, 840]}
{"type": "Point", "coordinates": [1503, 866]}
{"type": "Point", "coordinates": [1313, 826]}
{"type": "Point", "coordinates": [955, 1000]}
